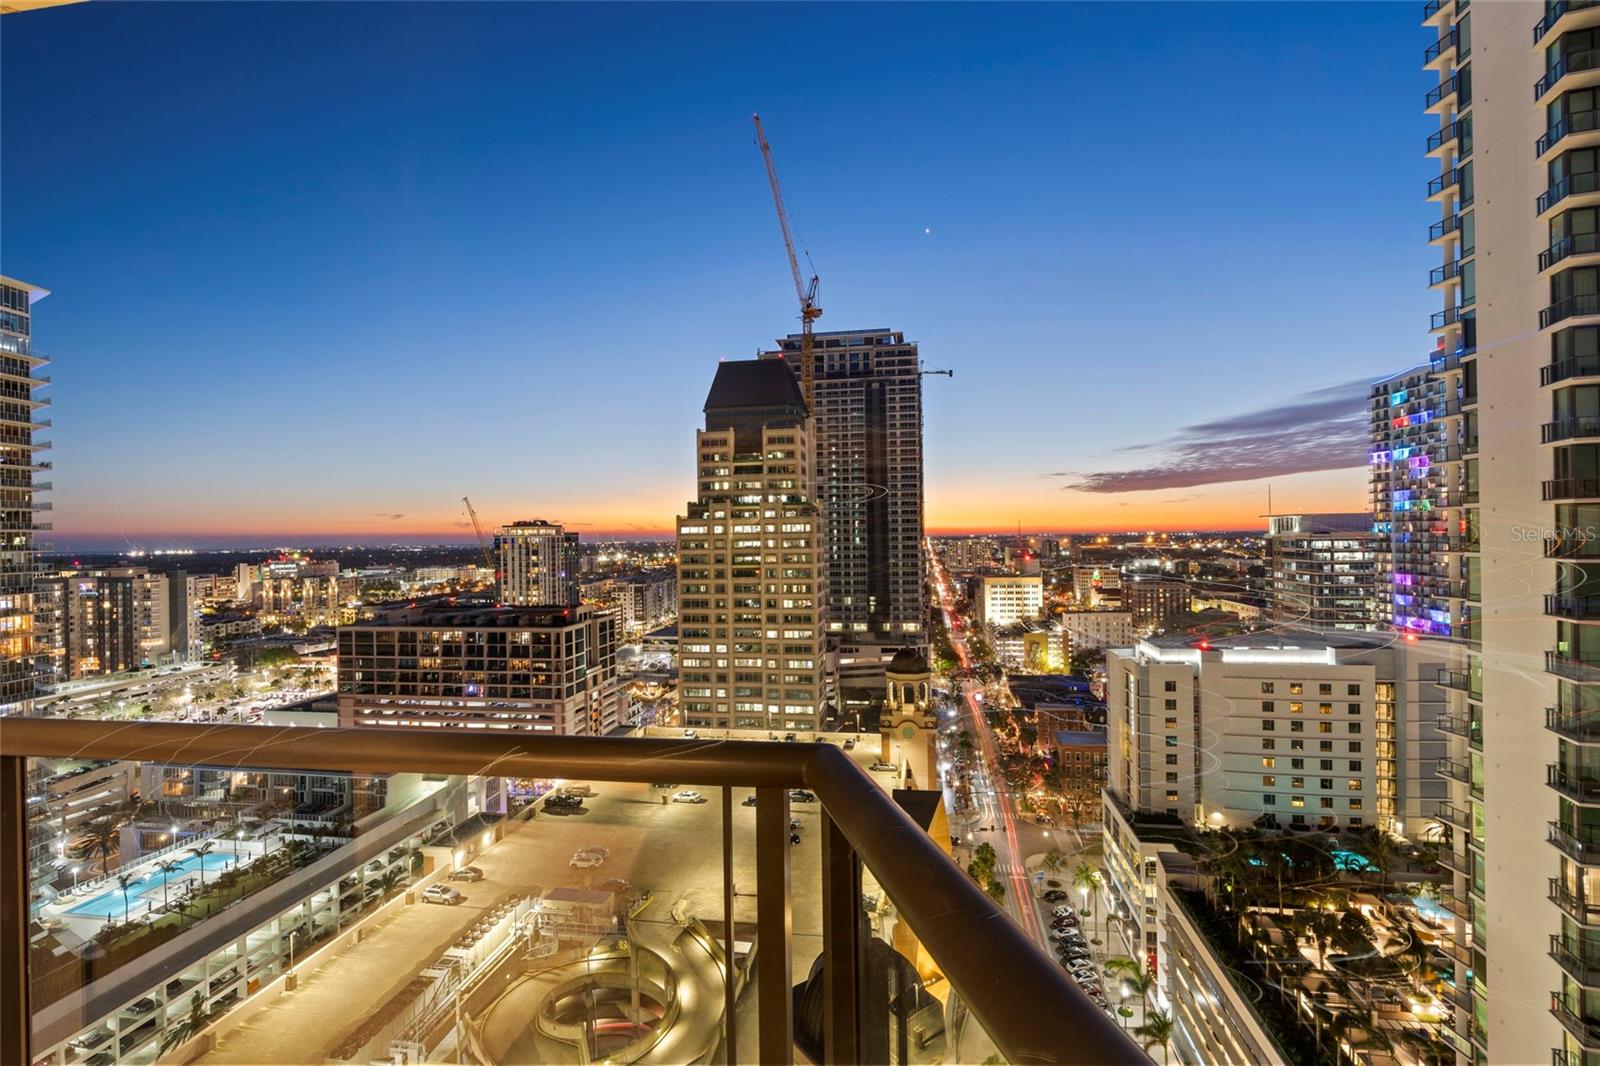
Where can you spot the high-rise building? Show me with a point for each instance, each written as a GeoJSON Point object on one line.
{"type": "Point", "coordinates": [1301, 729]}
{"type": "Point", "coordinates": [20, 647]}
{"type": "Point", "coordinates": [547, 669]}
{"type": "Point", "coordinates": [538, 563]}
{"type": "Point", "coordinates": [867, 421]}
{"type": "Point", "coordinates": [751, 578]}
{"type": "Point", "coordinates": [1322, 570]}
{"type": "Point", "coordinates": [104, 621]}
{"type": "Point", "coordinates": [1424, 473]}
{"type": "Point", "coordinates": [1516, 101]}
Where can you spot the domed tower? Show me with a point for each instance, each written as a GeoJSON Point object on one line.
{"type": "Point", "coordinates": [907, 725]}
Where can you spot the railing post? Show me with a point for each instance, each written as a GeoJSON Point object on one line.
{"type": "Point", "coordinates": [841, 947]}
{"type": "Point", "coordinates": [774, 927]}
{"type": "Point", "coordinates": [730, 1027]}
{"type": "Point", "coordinates": [15, 1016]}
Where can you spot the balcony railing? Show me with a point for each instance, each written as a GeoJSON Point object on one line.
{"type": "Point", "coordinates": [1567, 1012]}
{"type": "Point", "coordinates": [1455, 770]}
{"type": "Point", "coordinates": [1571, 185]}
{"type": "Point", "coordinates": [1584, 970]}
{"type": "Point", "coordinates": [1581, 844]}
{"type": "Point", "coordinates": [1574, 786]}
{"type": "Point", "coordinates": [1571, 63]}
{"type": "Point", "coordinates": [1575, 904]}
{"type": "Point", "coordinates": [1566, 126]}
{"type": "Point", "coordinates": [1028, 1006]}
{"type": "Point", "coordinates": [1570, 428]}
{"type": "Point", "coordinates": [1587, 303]}
{"type": "Point", "coordinates": [1448, 317]}
{"type": "Point", "coordinates": [1581, 726]}
{"type": "Point", "coordinates": [1571, 669]}
{"type": "Point", "coordinates": [1439, 93]}
{"type": "Point", "coordinates": [1456, 679]}
{"type": "Point", "coordinates": [1444, 226]}
{"type": "Point", "coordinates": [1570, 488]}
{"type": "Point", "coordinates": [1565, 247]}
{"type": "Point", "coordinates": [1579, 366]}
{"type": "Point", "coordinates": [1446, 43]}
{"type": "Point", "coordinates": [1432, 8]}
{"type": "Point", "coordinates": [1553, 13]}
{"type": "Point", "coordinates": [1448, 272]}
{"type": "Point", "coordinates": [1459, 817]}
{"type": "Point", "coordinates": [1569, 605]}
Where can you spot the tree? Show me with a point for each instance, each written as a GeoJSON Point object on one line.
{"type": "Point", "coordinates": [102, 837]}
{"type": "Point", "coordinates": [1054, 860]}
{"type": "Point", "coordinates": [1086, 878]}
{"type": "Point", "coordinates": [200, 851]}
{"type": "Point", "coordinates": [166, 867]}
{"type": "Point", "coordinates": [1156, 1031]}
{"type": "Point", "coordinates": [192, 1025]}
{"type": "Point", "coordinates": [1322, 926]}
{"type": "Point", "coordinates": [126, 881]}
{"type": "Point", "coordinates": [996, 889]}
{"type": "Point", "coordinates": [1354, 933]}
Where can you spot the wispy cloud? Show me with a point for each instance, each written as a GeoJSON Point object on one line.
{"type": "Point", "coordinates": [387, 514]}
{"type": "Point", "coordinates": [1325, 429]}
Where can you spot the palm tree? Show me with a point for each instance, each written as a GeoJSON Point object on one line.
{"type": "Point", "coordinates": [166, 867]}
{"type": "Point", "coordinates": [99, 837]}
{"type": "Point", "coordinates": [390, 881]}
{"type": "Point", "coordinates": [191, 1026]}
{"type": "Point", "coordinates": [127, 881]}
{"type": "Point", "coordinates": [1323, 927]}
{"type": "Point", "coordinates": [1155, 1032]}
{"type": "Point", "coordinates": [200, 851]}
{"type": "Point", "coordinates": [1086, 878]}
{"type": "Point", "coordinates": [1127, 970]}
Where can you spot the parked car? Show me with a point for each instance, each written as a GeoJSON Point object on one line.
{"type": "Point", "coordinates": [466, 873]}
{"type": "Point", "coordinates": [794, 838]}
{"type": "Point", "coordinates": [800, 795]}
{"type": "Point", "coordinates": [577, 789]}
{"type": "Point", "coordinates": [885, 767]}
{"type": "Point", "coordinates": [142, 1006]}
{"type": "Point", "coordinates": [688, 795]}
{"type": "Point", "coordinates": [788, 738]}
{"type": "Point", "coordinates": [442, 894]}
{"type": "Point", "coordinates": [1054, 895]}
{"type": "Point", "coordinates": [560, 801]}
{"type": "Point", "coordinates": [749, 801]}
{"type": "Point", "coordinates": [585, 860]}
{"type": "Point", "coordinates": [849, 743]}
{"type": "Point", "coordinates": [690, 734]}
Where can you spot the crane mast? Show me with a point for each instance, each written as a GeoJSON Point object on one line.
{"type": "Point", "coordinates": [483, 542]}
{"type": "Point", "coordinates": [804, 292]}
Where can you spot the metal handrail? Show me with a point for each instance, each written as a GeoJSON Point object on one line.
{"type": "Point", "coordinates": [1029, 1006]}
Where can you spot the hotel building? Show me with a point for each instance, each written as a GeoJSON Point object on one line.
{"type": "Point", "coordinates": [21, 608]}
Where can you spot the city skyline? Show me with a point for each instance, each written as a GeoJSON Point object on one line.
{"type": "Point", "coordinates": [260, 257]}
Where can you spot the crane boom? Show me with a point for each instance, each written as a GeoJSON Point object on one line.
{"type": "Point", "coordinates": [807, 295]}
{"type": "Point", "coordinates": [483, 542]}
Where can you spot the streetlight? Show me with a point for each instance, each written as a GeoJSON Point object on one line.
{"type": "Point", "coordinates": [292, 934]}
{"type": "Point", "coordinates": [75, 870]}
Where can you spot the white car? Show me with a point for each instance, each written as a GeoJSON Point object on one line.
{"type": "Point", "coordinates": [442, 894]}
{"type": "Point", "coordinates": [585, 860]}
{"type": "Point", "coordinates": [688, 795]}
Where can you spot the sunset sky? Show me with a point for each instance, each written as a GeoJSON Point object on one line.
{"type": "Point", "coordinates": [320, 270]}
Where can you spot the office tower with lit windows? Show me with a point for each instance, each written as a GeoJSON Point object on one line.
{"type": "Point", "coordinates": [538, 563]}
{"type": "Point", "coordinates": [22, 610]}
{"type": "Point", "coordinates": [751, 577]}
{"type": "Point", "coordinates": [867, 419]}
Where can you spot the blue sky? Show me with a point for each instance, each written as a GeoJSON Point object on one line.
{"type": "Point", "coordinates": [318, 266]}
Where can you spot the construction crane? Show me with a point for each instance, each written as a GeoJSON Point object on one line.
{"type": "Point", "coordinates": [483, 542]}
{"type": "Point", "coordinates": [806, 294]}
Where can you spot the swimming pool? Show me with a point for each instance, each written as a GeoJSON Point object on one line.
{"type": "Point", "coordinates": [109, 904]}
{"type": "Point", "coordinates": [1344, 859]}
{"type": "Point", "coordinates": [1430, 909]}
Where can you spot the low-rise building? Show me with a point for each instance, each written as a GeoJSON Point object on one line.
{"type": "Point", "coordinates": [1105, 628]}
{"type": "Point", "coordinates": [1005, 599]}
